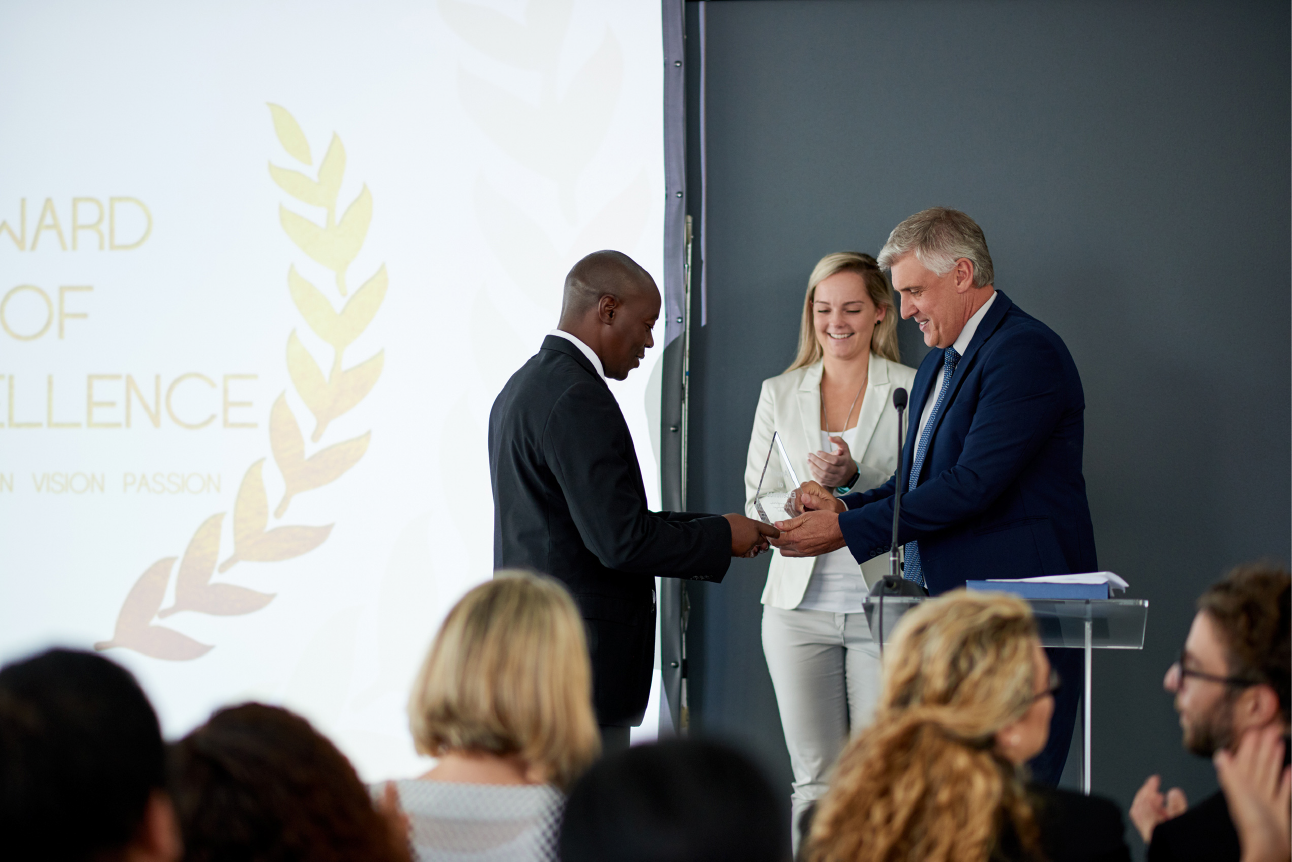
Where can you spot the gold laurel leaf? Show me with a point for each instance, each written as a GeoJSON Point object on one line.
{"type": "Point", "coordinates": [287, 444]}
{"type": "Point", "coordinates": [197, 566]}
{"type": "Point", "coordinates": [298, 186]}
{"type": "Point", "coordinates": [162, 643]}
{"type": "Point", "coordinates": [357, 382]}
{"type": "Point", "coordinates": [143, 600]}
{"type": "Point", "coordinates": [352, 229]}
{"type": "Point", "coordinates": [230, 600]}
{"type": "Point", "coordinates": [331, 171]}
{"type": "Point", "coordinates": [250, 513]}
{"type": "Point", "coordinates": [361, 309]}
{"type": "Point", "coordinates": [349, 388]}
{"type": "Point", "coordinates": [193, 588]}
{"type": "Point", "coordinates": [311, 238]}
{"type": "Point", "coordinates": [316, 309]}
{"type": "Point", "coordinates": [333, 247]}
{"type": "Point", "coordinates": [284, 543]}
{"type": "Point", "coordinates": [308, 379]}
{"type": "Point", "coordinates": [323, 468]}
{"type": "Point", "coordinates": [290, 134]}
{"type": "Point", "coordinates": [133, 630]}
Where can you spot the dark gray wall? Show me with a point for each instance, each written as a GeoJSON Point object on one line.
{"type": "Point", "coordinates": [1129, 163]}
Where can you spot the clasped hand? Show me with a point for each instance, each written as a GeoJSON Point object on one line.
{"type": "Point", "coordinates": [815, 531]}
{"type": "Point", "coordinates": [832, 469]}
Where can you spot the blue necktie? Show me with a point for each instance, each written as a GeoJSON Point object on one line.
{"type": "Point", "coordinates": [912, 568]}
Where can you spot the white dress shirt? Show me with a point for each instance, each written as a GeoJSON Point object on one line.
{"type": "Point", "coordinates": [585, 349]}
{"type": "Point", "coordinates": [961, 345]}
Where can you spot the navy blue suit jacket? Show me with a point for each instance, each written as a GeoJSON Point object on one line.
{"type": "Point", "coordinates": [1000, 493]}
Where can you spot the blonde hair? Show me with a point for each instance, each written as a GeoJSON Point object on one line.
{"type": "Point", "coordinates": [924, 781]}
{"type": "Point", "coordinates": [509, 674]}
{"type": "Point", "coordinates": [883, 340]}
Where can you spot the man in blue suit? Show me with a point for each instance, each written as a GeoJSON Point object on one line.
{"type": "Point", "coordinates": [991, 467]}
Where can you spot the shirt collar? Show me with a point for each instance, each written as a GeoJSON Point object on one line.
{"type": "Point", "coordinates": [584, 349]}
{"type": "Point", "coordinates": [966, 334]}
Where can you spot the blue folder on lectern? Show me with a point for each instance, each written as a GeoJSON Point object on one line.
{"type": "Point", "coordinates": [1030, 590]}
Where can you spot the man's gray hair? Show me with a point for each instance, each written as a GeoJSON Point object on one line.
{"type": "Point", "coordinates": [939, 237]}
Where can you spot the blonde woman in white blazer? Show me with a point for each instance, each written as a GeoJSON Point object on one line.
{"type": "Point", "coordinates": [833, 411]}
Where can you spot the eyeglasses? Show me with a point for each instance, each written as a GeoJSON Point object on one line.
{"type": "Point", "coordinates": [1178, 672]}
{"type": "Point", "coordinates": [1052, 689]}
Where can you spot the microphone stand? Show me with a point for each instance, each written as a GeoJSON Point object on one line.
{"type": "Point", "coordinates": [893, 584]}
{"type": "Point", "coordinates": [899, 403]}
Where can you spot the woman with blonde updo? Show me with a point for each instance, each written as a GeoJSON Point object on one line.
{"type": "Point", "coordinates": [966, 702]}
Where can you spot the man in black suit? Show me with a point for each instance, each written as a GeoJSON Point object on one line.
{"type": "Point", "coordinates": [568, 494]}
{"type": "Point", "coordinates": [1231, 682]}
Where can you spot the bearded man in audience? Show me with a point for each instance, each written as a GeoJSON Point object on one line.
{"type": "Point", "coordinates": [1231, 687]}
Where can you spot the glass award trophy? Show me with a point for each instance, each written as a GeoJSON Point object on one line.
{"type": "Point", "coordinates": [777, 486]}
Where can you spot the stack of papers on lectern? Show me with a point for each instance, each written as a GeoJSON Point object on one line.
{"type": "Point", "coordinates": [1092, 585]}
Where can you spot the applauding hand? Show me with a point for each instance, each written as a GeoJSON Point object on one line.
{"type": "Point", "coordinates": [832, 469]}
{"type": "Point", "coordinates": [1151, 807]}
{"type": "Point", "coordinates": [1258, 790]}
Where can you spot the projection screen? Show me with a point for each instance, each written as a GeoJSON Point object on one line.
{"type": "Point", "coordinates": [263, 269]}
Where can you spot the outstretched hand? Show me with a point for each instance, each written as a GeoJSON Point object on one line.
{"type": "Point", "coordinates": [1150, 807]}
{"type": "Point", "coordinates": [809, 535]}
{"type": "Point", "coordinates": [749, 537]}
{"type": "Point", "coordinates": [1258, 790]}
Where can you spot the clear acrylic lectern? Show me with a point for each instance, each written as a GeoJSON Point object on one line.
{"type": "Point", "coordinates": [1073, 623]}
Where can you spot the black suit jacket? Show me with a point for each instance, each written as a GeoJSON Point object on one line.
{"type": "Point", "coordinates": [1204, 833]}
{"type": "Point", "coordinates": [1074, 828]}
{"type": "Point", "coordinates": [569, 502]}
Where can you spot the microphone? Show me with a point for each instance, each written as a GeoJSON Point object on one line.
{"type": "Point", "coordinates": [899, 402]}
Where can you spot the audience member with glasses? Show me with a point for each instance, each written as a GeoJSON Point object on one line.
{"type": "Point", "coordinates": [941, 773]}
{"type": "Point", "coordinates": [1231, 687]}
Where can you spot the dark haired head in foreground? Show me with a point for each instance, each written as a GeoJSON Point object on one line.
{"type": "Point", "coordinates": [82, 767]}
{"type": "Point", "coordinates": [260, 783]}
{"type": "Point", "coordinates": [678, 801]}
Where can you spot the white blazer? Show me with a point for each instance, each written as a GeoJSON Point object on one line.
{"type": "Point", "coordinates": [791, 405]}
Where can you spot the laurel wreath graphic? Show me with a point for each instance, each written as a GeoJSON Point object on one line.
{"type": "Point", "coordinates": [334, 245]}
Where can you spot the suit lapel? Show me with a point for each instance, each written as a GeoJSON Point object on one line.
{"type": "Point", "coordinates": [872, 406]}
{"type": "Point", "coordinates": [809, 397]}
{"type": "Point", "coordinates": [986, 328]}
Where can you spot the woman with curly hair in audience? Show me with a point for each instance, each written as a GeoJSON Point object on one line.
{"type": "Point", "coordinates": [504, 702]}
{"type": "Point", "coordinates": [966, 702]}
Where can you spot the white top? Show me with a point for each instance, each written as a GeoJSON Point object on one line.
{"type": "Point", "coordinates": [961, 345]}
{"type": "Point", "coordinates": [836, 585]}
{"type": "Point", "coordinates": [480, 822]}
{"type": "Point", "coordinates": [585, 349]}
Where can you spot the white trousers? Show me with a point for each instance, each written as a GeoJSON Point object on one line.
{"type": "Point", "coordinates": [825, 669]}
